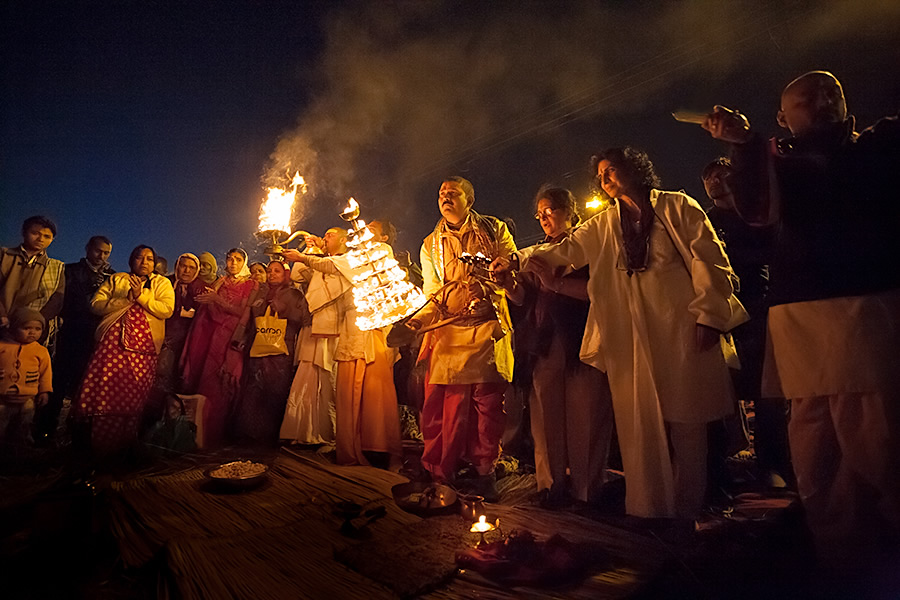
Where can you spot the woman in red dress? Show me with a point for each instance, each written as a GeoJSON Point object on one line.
{"type": "Point", "coordinates": [134, 307]}
{"type": "Point", "coordinates": [214, 354]}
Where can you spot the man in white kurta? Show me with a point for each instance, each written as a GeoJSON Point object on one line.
{"type": "Point", "coordinates": [641, 332]}
{"type": "Point", "coordinates": [309, 416]}
{"type": "Point", "coordinates": [834, 323]}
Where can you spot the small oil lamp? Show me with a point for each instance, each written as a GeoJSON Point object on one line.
{"type": "Point", "coordinates": [481, 527]}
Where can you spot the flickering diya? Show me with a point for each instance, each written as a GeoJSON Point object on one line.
{"type": "Point", "coordinates": [481, 527]}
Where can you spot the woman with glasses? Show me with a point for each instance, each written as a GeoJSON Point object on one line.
{"type": "Point", "coordinates": [661, 296]}
{"type": "Point", "coordinates": [571, 409]}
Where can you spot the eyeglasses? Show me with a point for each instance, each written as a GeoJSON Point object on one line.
{"type": "Point", "coordinates": [544, 213]}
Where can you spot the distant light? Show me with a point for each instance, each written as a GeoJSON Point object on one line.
{"type": "Point", "coordinates": [596, 203]}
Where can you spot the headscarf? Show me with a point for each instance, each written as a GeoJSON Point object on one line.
{"type": "Point", "coordinates": [188, 256]}
{"type": "Point", "coordinates": [245, 270]}
{"type": "Point", "coordinates": [207, 258]}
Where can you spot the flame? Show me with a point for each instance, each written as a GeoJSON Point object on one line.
{"type": "Point", "coordinates": [381, 292]}
{"type": "Point", "coordinates": [276, 210]}
{"type": "Point", "coordinates": [597, 203]}
{"type": "Point", "coordinates": [482, 525]}
{"type": "Point", "coordinates": [351, 213]}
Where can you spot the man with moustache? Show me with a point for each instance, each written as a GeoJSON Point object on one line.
{"type": "Point", "coordinates": [75, 342]}
{"type": "Point", "coordinates": [470, 360]}
{"type": "Point", "coordinates": [834, 321]}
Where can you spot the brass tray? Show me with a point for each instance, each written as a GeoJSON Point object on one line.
{"type": "Point", "coordinates": [425, 499]}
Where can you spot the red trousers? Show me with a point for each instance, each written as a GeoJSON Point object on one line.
{"type": "Point", "coordinates": [462, 422]}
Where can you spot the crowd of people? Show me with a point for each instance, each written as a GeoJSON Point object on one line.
{"type": "Point", "coordinates": [651, 323]}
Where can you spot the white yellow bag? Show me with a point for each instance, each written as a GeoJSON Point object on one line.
{"type": "Point", "coordinates": [269, 337]}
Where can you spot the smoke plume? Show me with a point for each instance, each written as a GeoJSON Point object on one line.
{"type": "Point", "coordinates": [413, 90]}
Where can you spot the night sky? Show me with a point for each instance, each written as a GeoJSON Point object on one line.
{"type": "Point", "coordinates": [159, 123]}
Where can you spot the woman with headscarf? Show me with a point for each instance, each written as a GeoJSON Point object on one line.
{"type": "Point", "coordinates": [134, 307]}
{"type": "Point", "coordinates": [267, 379]}
{"type": "Point", "coordinates": [187, 286]}
{"type": "Point", "coordinates": [571, 407]}
{"type": "Point", "coordinates": [213, 359]}
{"type": "Point", "coordinates": [209, 268]}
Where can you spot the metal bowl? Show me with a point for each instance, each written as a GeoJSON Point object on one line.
{"type": "Point", "coordinates": [238, 482]}
{"type": "Point", "coordinates": [425, 499]}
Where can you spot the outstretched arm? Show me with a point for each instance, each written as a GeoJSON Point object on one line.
{"type": "Point", "coordinates": [752, 180]}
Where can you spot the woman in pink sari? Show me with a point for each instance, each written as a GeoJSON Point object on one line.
{"type": "Point", "coordinates": [213, 358]}
{"type": "Point", "coordinates": [134, 307]}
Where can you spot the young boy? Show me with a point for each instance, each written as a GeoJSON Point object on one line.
{"type": "Point", "coordinates": [31, 279]}
{"type": "Point", "coordinates": [26, 378]}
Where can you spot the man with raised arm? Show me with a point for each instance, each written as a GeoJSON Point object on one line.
{"type": "Point", "coordinates": [834, 323]}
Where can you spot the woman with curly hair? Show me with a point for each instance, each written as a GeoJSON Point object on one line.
{"type": "Point", "coordinates": [661, 297]}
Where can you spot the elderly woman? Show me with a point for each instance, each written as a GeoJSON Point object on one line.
{"type": "Point", "coordinates": [267, 379]}
{"type": "Point", "coordinates": [213, 358]}
{"type": "Point", "coordinates": [661, 296]}
{"type": "Point", "coordinates": [571, 408]}
{"type": "Point", "coordinates": [187, 286]}
{"type": "Point", "coordinates": [134, 307]}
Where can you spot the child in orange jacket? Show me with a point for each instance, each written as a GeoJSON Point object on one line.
{"type": "Point", "coordinates": [26, 377]}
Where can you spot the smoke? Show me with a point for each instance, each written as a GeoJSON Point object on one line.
{"type": "Point", "coordinates": [413, 90]}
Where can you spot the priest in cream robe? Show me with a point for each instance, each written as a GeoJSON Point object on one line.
{"type": "Point", "coordinates": [309, 416]}
{"type": "Point", "coordinates": [661, 297]}
{"type": "Point", "coordinates": [367, 418]}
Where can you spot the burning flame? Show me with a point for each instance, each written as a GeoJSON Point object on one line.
{"type": "Point", "coordinates": [482, 525]}
{"type": "Point", "coordinates": [352, 211]}
{"type": "Point", "coordinates": [597, 203]}
{"type": "Point", "coordinates": [276, 210]}
{"type": "Point", "coordinates": [381, 292]}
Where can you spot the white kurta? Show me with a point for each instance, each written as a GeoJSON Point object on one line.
{"type": "Point", "coordinates": [309, 414]}
{"type": "Point", "coordinates": [641, 331]}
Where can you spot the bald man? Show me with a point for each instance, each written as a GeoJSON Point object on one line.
{"type": "Point", "coordinates": [309, 416]}
{"type": "Point", "coordinates": [834, 325]}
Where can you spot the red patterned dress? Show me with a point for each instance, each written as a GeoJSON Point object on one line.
{"type": "Point", "coordinates": [117, 382]}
